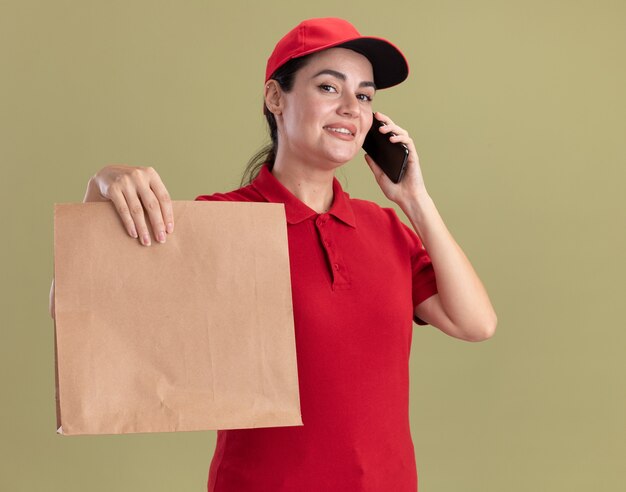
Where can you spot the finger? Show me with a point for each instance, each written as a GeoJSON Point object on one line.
{"type": "Point", "coordinates": [123, 210]}
{"type": "Point", "coordinates": [165, 201]}
{"type": "Point", "coordinates": [405, 139]}
{"type": "Point", "coordinates": [393, 128]}
{"type": "Point", "coordinates": [383, 117]}
{"type": "Point", "coordinates": [401, 138]}
{"type": "Point", "coordinates": [389, 124]}
{"type": "Point", "coordinates": [408, 142]}
{"type": "Point", "coordinates": [390, 127]}
{"type": "Point", "coordinates": [138, 216]}
{"type": "Point", "coordinates": [152, 207]}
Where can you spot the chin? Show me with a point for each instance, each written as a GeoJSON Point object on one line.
{"type": "Point", "coordinates": [332, 163]}
{"type": "Point", "coordinates": [340, 158]}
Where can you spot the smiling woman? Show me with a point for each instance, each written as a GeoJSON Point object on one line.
{"type": "Point", "coordinates": [360, 277]}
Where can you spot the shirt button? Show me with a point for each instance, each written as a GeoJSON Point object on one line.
{"type": "Point", "coordinates": [327, 243]}
{"type": "Point", "coordinates": [336, 266]}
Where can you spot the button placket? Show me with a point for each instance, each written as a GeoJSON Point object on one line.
{"type": "Point", "coordinates": [337, 270]}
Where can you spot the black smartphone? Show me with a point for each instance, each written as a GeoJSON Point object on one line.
{"type": "Point", "coordinates": [391, 157]}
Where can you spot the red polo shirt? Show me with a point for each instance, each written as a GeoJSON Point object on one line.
{"type": "Point", "coordinates": [357, 273]}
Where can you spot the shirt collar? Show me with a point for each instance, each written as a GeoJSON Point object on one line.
{"type": "Point", "coordinates": [296, 211]}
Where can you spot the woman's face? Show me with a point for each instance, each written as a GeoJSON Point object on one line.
{"type": "Point", "coordinates": [325, 117]}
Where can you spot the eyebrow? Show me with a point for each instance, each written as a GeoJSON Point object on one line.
{"type": "Point", "coordinates": [342, 76]}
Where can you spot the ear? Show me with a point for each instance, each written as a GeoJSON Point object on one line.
{"type": "Point", "coordinates": [273, 97]}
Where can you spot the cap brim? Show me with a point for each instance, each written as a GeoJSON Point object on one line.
{"type": "Point", "coordinates": [389, 65]}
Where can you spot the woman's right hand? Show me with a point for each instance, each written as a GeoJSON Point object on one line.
{"type": "Point", "coordinates": [133, 189]}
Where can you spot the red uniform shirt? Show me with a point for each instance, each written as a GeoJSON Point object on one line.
{"type": "Point", "coordinates": [357, 274]}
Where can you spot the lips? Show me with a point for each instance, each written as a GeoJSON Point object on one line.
{"type": "Point", "coordinates": [342, 129]}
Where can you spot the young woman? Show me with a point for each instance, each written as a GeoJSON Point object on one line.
{"type": "Point", "coordinates": [360, 277]}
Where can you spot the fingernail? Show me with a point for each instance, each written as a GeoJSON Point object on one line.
{"type": "Point", "coordinates": [170, 227]}
{"type": "Point", "coordinates": [161, 237]}
{"type": "Point", "coordinates": [145, 239]}
{"type": "Point", "coordinates": [133, 233]}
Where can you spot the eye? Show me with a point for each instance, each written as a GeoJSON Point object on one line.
{"type": "Point", "coordinates": [327, 88]}
{"type": "Point", "coordinates": [364, 97]}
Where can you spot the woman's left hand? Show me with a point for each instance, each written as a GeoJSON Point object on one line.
{"type": "Point", "coordinates": [461, 308]}
{"type": "Point", "coordinates": [412, 183]}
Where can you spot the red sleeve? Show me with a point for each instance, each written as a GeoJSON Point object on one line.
{"type": "Point", "coordinates": [245, 194]}
{"type": "Point", "coordinates": [215, 197]}
{"type": "Point", "coordinates": [424, 281]}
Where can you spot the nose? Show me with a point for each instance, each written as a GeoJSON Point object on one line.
{"type": "Point", "coordinates": [349, 106]}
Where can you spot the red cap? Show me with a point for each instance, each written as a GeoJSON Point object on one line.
{"type": "Point", "coordinates": [313, 35]}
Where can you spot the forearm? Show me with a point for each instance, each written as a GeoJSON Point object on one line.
{"type": "Point", "coordinates": [463, 296]}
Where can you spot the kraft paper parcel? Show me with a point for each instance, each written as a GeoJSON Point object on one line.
{"type": "Point", "coordinates": [193, 334]}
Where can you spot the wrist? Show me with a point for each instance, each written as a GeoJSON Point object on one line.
{"type": "Point", "coordinates": [92, 194]}
{"type": "Point", "coordinates": [420, 209]}
{"type": "Point", "coordinates": [416, 201]}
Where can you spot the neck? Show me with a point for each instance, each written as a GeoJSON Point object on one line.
{"type": "Point", "coordinates": [312, 186]}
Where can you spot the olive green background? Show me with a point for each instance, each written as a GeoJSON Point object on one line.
{"type": "Point", "coordinates": [518, 112]}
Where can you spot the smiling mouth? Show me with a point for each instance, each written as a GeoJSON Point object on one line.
{"type": "Point", "coordinates": [343, 131]}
